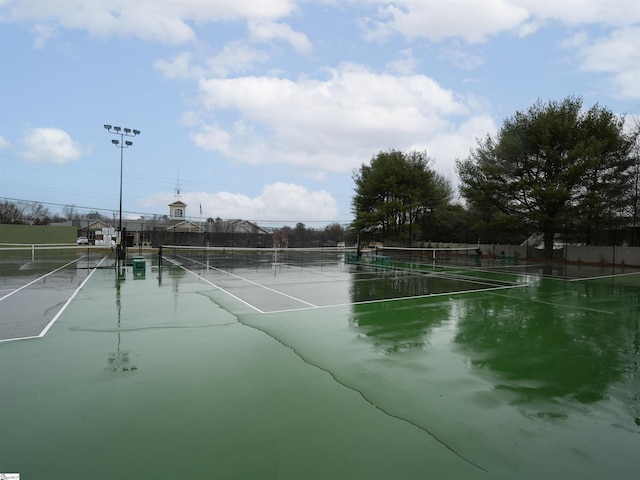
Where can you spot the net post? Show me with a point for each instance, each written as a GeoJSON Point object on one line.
{"type": "Point", "coordinates": [160, 256]}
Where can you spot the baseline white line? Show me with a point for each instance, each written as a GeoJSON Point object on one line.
{"type": "Point", "coordinates": [214, 285]}
{"type": "Point", "coordinates": [43, 276]}
{"type": "Point", "coordinates": [253, 283]}
{"type": "Point", "coordinates": [64, 307]}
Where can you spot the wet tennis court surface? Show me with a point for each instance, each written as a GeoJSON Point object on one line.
{"type": "Point", "coordinates": [267, 368]}
{"type": "Point", "coordinates": [37, 291]}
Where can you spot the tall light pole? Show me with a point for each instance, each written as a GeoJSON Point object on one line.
{"type": "Point", "coordinates": [121, 144]}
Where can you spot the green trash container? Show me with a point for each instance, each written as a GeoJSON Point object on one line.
{"type": "Point", "coordinates": [139, 266]}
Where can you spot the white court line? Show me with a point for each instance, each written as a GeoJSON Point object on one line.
{"type": "Point", "coordinates": [414, 297]}
{"type": "Point", "coordinates": [605, 276]}
{"type": "Point", "coordinates": [253, 283]}
{"type": "Point", "coordinates": [214, 285]}
{"type": "Point", "coordinates": [313, 270]}
{"type": "Point", "coordinates": [312, 306]}
{"type": "Point", "coordinates": [562, 305]}
{"type": "Point", "coordinates": [499, 268]}
{"type": "Point", "coordinates": [43, 276]}
{"type": "Point", "coordinates": [64, 307]}
{"type": "Point", "coordinates": [455, 272]}
{"type": "Point", "coordinates": [463, 278]}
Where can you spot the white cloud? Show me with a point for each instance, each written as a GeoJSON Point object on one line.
{"type": "Point", "coordinates": [404, 64]}
{"type": "Point", "coordinates": [581, 12]}
{"type": "Point", "coordinates": [173, 21]}
{"type": "Point", "coordinates": [168, 21]}
{"type": "Point", "coordinates": [617, 55]}
{"type": "Point", "coordinates": [269, 30]}
{"type": "Point", "coordinates": [277, 202]}
{"type": "Point", "coordinates": [461, 57]}
{"type": "Point", "coordinates": [180, 66]}
{"type": "Point", "coordinates": [4, 142]}
{"type": "Point", "coordinates": [334, 124]}
{"type": "Point", "coordinates": [459, 142]}
{"type": "Point", "coordinates": [436, 20]}
{"type": "Point", "coordinates": [49, 145]}
{"type": "Point", "coordinates": [236, 57]}
{"type": "Point", "coordinates": [474, 21]}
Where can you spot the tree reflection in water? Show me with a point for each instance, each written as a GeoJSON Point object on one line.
{"type": "Point", "coordinates": [395, 328]}
{"type": "Point", "coordinates": [553, 342]}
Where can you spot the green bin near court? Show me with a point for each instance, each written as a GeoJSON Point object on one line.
{"type": "Point", "coordinates": [139, 267]}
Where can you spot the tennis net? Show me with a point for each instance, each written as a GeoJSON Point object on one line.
{"type": "Point", "coordinates": [400, 257]}
{"type": "Point", "coordinates": [458, 265]}
{"type": "Point", "coordinates": [229, 258]}
{"type": "Point", "coordinates": [24, 259]}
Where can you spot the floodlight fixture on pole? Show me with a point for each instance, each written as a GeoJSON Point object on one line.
{"type": "Point", "coordinates": [121, 144]}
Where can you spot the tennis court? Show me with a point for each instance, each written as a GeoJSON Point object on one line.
{"type": "Point", "coordinates": [241, 363]}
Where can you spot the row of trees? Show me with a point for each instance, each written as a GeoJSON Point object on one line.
{"type": "Point", "coordinates": [554, 169]}
{"type": "Point", "coordinates": [26, 213]}
{"type": "Point", "coordinates": [35, 213]}
{"type": "Point", "coordinates": [302, 236]}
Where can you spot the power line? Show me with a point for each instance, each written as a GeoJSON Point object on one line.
{"type": "Point", "coordinates": [95, 209]}
{"type": "Point", "coordinates": [146, 214]}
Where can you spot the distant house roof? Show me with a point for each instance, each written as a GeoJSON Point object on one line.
{"type": "Point", "coordinates": [176, 225]}
{"type": "Point", "coordinates": [245, 226]}
{"type": "Point", "coordinates": [92, 225]}
{"type": "Point", "coordinates": [185, 226]}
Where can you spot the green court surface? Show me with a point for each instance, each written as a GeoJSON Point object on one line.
{"type": "Point", "coordinates": [257, 368]}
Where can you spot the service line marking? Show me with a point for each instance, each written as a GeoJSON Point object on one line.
{"type": "Point", "coordinates": [40, 278]}
{"type": "Point", "coordinates": [396, 299]}
{"type": "Point", "coordinates": [312, 306]}
{"type": "Point", "coordinates": [214, 285]}
{"type": "Point", "coordinates": [253, 283]}
{"type": "Point", "coordinates": [64, 307]}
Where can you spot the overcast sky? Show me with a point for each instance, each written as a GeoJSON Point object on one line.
{"type": "Point", "coordinates": [262, 109]}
